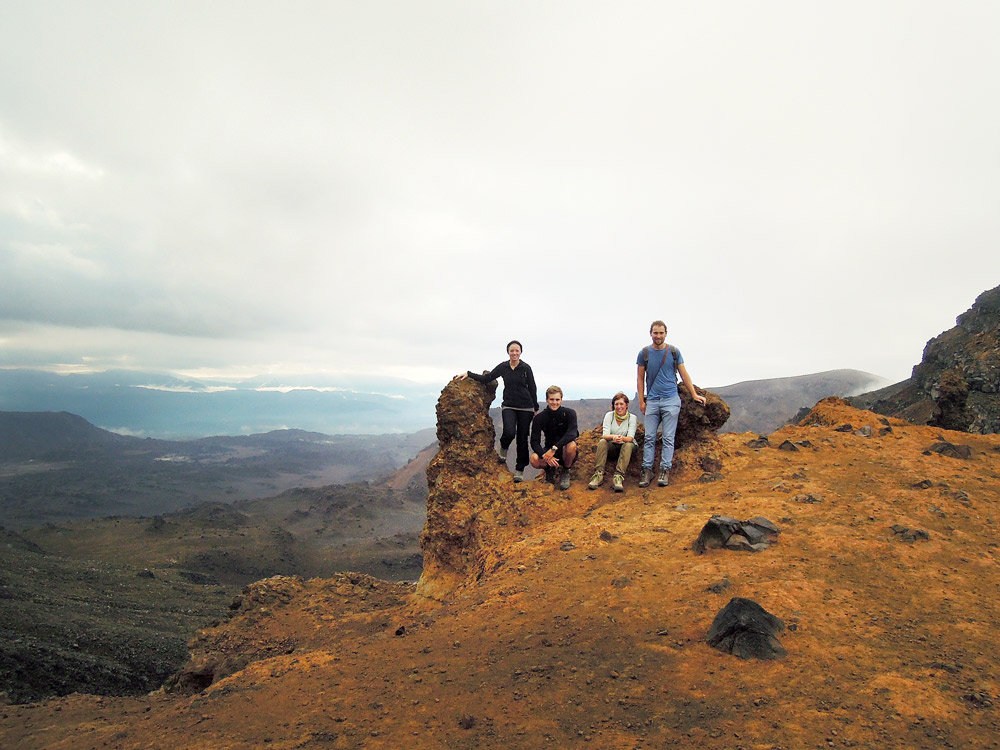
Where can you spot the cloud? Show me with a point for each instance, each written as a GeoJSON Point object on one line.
{"type": "Point", "coordinates": [399, 189]}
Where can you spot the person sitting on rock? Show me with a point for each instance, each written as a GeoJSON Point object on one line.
{"type": "Point", "coordinates": [558, 424]}
{"type": "Point", "coordinates": [519, 405]}
{"type": "Point", "coordinates": [656, 384]}
{"type": "Point", "coordinates": [617, 441]}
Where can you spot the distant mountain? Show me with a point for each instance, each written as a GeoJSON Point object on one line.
{"type": "Point", "coordinates": [763, 406]}
{"type": "Point", "coordinates": [160, 405]}
{"type": "Point", "coordinates": [58, 466]}
{"type": "Point", "coordinates": [760, 406]}
{"type": "Point", "coordinates": [956, 385]}
{"type": "Point", "coordinates": [34, 435]}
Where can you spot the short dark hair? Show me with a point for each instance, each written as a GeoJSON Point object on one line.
{"type": "Point", "coordinates": [553, 389]}
{"type": "Point", "coordinates": [515, 341]}
{"type": "Point", "coordinates": [617, 396]}
{"type": "Point", "coordinates": [657, 323]}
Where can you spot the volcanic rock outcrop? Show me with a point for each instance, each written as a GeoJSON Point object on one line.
{"type": "Point", "coordinates": [474, 507]}
{"type": "Point", "coordinates": [956, 386]}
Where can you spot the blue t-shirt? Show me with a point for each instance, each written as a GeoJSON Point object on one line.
{"type": "Point", "coordinates": [661, 382]}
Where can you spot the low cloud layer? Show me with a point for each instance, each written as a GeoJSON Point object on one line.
{"type": "Point", "coordinates": [398, 189]}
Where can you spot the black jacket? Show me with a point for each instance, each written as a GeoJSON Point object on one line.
{"type": "Point", "coordinates": [559, 427]}
{"type": "Point", "coordinates": [519, 388]}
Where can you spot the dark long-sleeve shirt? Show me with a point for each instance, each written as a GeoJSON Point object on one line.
{"type": "Point", "coordinates": [519, 389]}
{"type": "Point", "coordinates": [559, 426]}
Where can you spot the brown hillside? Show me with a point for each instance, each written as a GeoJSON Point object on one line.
{"type": "Point", "coordinates": [581, 622]}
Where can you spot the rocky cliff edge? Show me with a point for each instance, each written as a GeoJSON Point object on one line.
{"type": "Point", "coordinates": [474, 507]}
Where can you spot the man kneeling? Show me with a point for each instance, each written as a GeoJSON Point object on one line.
{"type": "Point", "coordinates": [558, 423]}
{"type": "Point", "coordinates": [617, 441]}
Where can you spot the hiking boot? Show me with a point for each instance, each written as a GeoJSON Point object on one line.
{"type": "Point", "coordinates": [595, 481]}
{"type": "Point", "coordinates": [502, 457]}
{"type": "Point", "coordinates": [618, 483]}
{"type": "Point", "coordinates": [664, 479]}
{"type": "Point", "coordinates": [564, 480]}
{"type": "Point", "coordinates": [646, 477]}
{"type": "Point", "coordinates": [519, 475]}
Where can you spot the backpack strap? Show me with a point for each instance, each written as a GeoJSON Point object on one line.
{"type": "Point", "coordinates": [673, 355]}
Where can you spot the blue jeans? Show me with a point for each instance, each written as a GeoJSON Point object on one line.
{"type": "Point", "coordinates": [660, 413]}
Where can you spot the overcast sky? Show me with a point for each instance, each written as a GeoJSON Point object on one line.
{"type": "Point", "coordinates": [399, 188]}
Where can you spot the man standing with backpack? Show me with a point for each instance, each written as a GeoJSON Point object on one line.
{"type": "Point", "coordinates": [659, 400]}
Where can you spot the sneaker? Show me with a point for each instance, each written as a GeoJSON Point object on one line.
{"type": "Point", "coordinates": [618, 483]}
{"type": "Point", "coordinates": [664, 479]}
{"type": "Point", "coordinates": [564, 480]}
{"type": "Point", "coordinates": [502, 456]}
{"type": "Point", "coordinates": [519, 475]}
{"type": "Point", "coordinates": [646, 477]}
{"type": "Point", "coordinates": [595, 481]}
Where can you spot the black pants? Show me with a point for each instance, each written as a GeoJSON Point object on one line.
{"type": "Point", "coordinates": [516, 423]}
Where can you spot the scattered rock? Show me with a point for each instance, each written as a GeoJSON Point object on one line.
{"type": "Point", "coordinates": [760, 441]}
{"type": "Point", "coordinates": [844, 428]}
{"type": "Point", "coordinates": [788, 445]}
{"type": "Point", "coordinates": [950, 450]}
{"type": "Point", "coordinates": [923, 484]}
{"type": "Point", "coordinates": [909, 535]}
{"type": "Point", "coordinates": [803, 497]}
{"type": "Point", "coordinates": [745, 629]}
{"type": "Point", "coordinates": [710, 477]}
{"type": "Point", "coordinates": [979, 700]}
{"type": "Point", "coordinates": [467, 721]}
{"type": "Point", "coordinates": [607, 536]}
{"type": "Point", "coordinates": [682, 507]}
{"type": "Point", "coordinates": [567, 546]}
{"type": "Point", "coordinates": [621, 582]}
{"type": "Point", "coordinates": [710, 465]}
{"type": "Point", "coordinates": [724, 532]}
{"type": "Point", "coordinates": [865, 431]}
{"type": "Point", "coordinates": [401, 630]}
{"type": "Point", "coordinates": [199, 579]}
{"type": "Point", "coordinates": [719, 586]}
{"type": "Point", "coordinates": [145, 573]}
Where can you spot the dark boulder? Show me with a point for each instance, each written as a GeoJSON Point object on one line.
{"type": "Point", "coordinates": [721, 532]}
{"type": "Point", "coordinates": [950, 450]}
{"type": "Point", "coordinates": [745, 629]}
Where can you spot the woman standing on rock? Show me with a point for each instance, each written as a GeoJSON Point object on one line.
{"type": "Point", "coordinates": [519, 405]}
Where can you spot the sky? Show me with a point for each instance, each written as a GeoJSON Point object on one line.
{"type": "Point", "coordinates": [396, 189]}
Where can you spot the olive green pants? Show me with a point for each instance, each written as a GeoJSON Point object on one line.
{"type": "Point", "coordinates": [623, 451]}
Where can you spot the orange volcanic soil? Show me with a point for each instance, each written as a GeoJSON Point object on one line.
{"type": "Point", "coordinates": [588, 630]}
